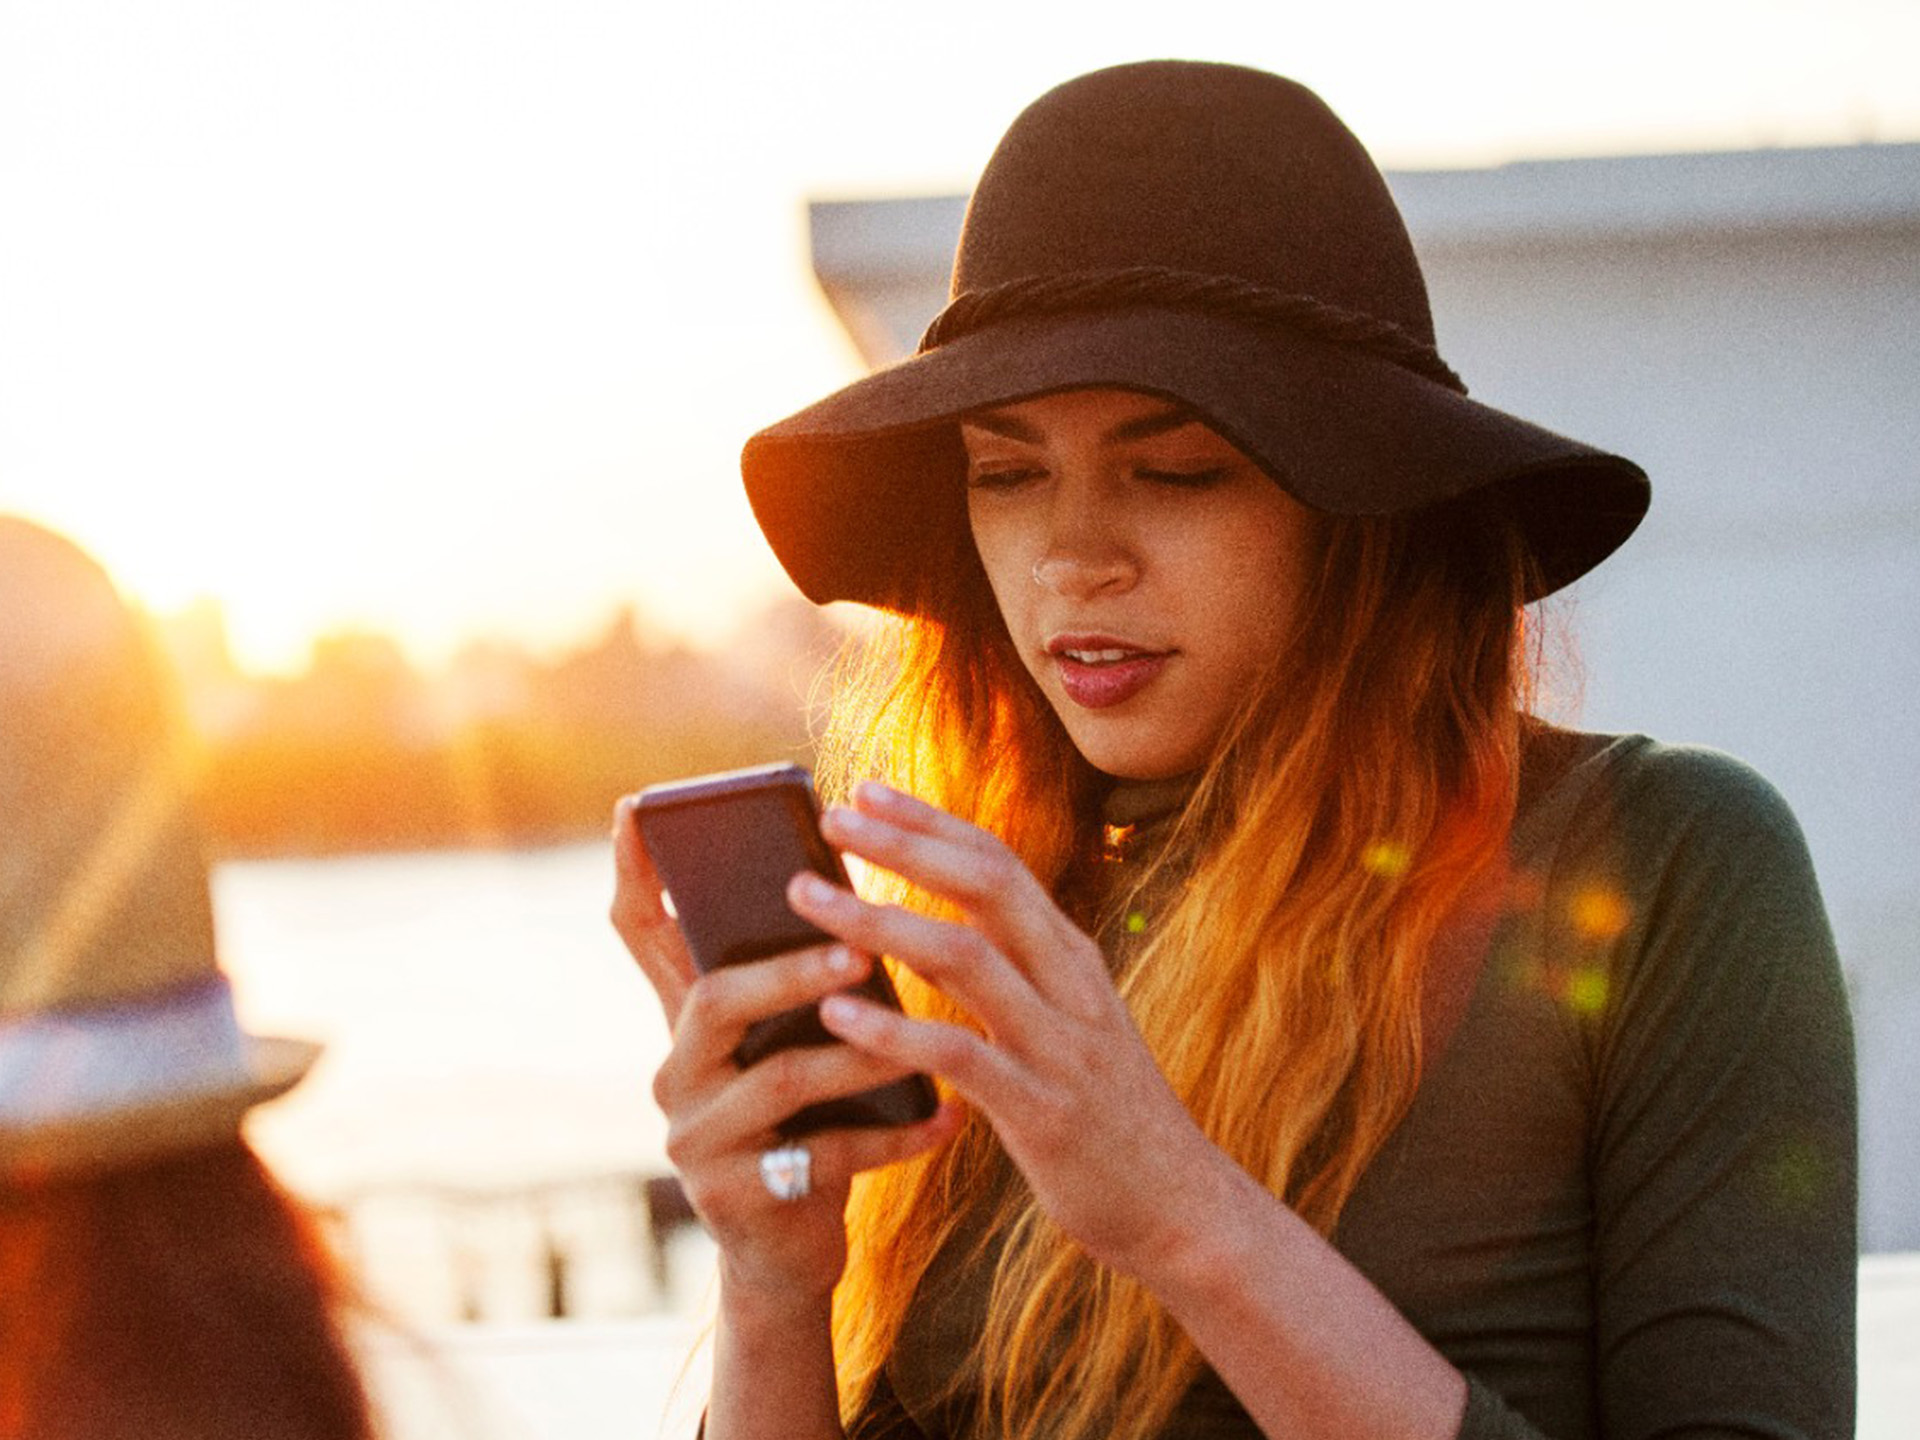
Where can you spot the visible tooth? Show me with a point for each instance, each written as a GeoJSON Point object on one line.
{"type": "Point", "coordinates": [1097, 657]}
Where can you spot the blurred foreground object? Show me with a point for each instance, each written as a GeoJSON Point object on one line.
{"type": "Point", "coordinates": [156, 1280]}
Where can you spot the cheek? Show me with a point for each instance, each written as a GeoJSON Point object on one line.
{"type": "Point", "coordinates": [1008, 568]}
{"type": "Point", "coordinates": [1247, 596]}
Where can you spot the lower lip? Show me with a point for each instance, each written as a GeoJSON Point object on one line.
{"type": "Point", "coordinates": [1099, 687]}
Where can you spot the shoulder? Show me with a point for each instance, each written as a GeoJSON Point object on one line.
{"type": "Point", "coordinates": [1659, 865]}
{"type": "Point", "coordinates": [1686, 782]}
{"type": "Point", "coordinates": [1674, 870]}
{"type": "Point", "coordinates": [1639, 806]}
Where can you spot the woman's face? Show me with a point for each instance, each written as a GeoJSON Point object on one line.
{"type": "Point", "coordinates": [1147, 570]}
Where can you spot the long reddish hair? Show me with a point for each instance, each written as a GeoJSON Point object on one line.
{"type": "Point", "coordinates": [1361, 795]}
{"type": "Point", "coordinates": [188, 1299]}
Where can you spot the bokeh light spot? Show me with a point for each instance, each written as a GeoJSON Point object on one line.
{"type": "Point", "coordinates": [1600, 913]}
{"type": "Point", "coordinates": [1586, 990]}
{"type": "Point", "coordinates": [1797, 1176]}
{"type": "Point", "coordinates": [1387, 858]}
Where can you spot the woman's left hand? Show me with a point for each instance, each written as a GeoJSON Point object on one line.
{"type": "Point", "coordinates": [1062, 1074]}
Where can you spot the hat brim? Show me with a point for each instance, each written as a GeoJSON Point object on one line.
{"type": "Point", "coordinates": [112, 1139]}
{"type": "Point", "coordinates": [853, 490]}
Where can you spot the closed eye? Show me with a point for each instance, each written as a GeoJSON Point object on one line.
{"type": "Point", "coordinates": [1002, 478]}
{"type": "Point", "coordinates": [1185, 479]}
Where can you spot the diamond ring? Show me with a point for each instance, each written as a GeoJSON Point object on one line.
{"type": "Point", "coordinates": [787, 1171]}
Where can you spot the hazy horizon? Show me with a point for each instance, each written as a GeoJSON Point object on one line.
{"type": "Point", "coordinates": [450, 322]}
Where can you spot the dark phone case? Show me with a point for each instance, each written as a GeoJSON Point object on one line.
{"type": "Point", "coordinates": [725, 847]}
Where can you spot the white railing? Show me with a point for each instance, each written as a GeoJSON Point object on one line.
{"type": "Point", "coordinates": [642, 1378]}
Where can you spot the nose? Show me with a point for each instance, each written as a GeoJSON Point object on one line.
{"type": "Point", "coordinates": [1084, 554]}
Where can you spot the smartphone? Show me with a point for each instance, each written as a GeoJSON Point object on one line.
{"type": "Point", "coordinates": [725, 847]}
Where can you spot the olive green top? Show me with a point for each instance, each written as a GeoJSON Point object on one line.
{"type": "Point", "coordinates": [1622, 1202]}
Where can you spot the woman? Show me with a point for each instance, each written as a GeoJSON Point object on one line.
{"type": "Point", "coordinates": [155, 1281]}
{"type": "Point", "coordinates": [1336, 1049]}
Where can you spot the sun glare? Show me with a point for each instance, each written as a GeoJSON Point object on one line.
{"type": "Point", "coordinates": [460, 332]}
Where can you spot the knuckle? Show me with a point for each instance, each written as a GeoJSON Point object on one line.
{"type": "Point", "coordinates": [665, 1086]}
{"type": "Point", "coordinates": [994, 874]}
{"type": "Point", "coordinates": [703, 1007]}
{"type": "Point", "coordinates": [976, 950]}
{"type": "Point", "coordinates": [1001, 866]}
{"type": "Point", "coordinates": [962, 948]}
{"type": "Point", "coordinates": [977, 885]}
{"type": "Point", "coordinates": [1082, 949]}
{"type": "Point", "coordinates": [1055, 1122]}
{"type": "Point", "coordinates": [933, 952]}
{"type": "Point", "coordinates": [678, 1146]}
{"type": "Point", "coordinates": [953, 1052]}
{"type": "Point", "coordinates": [1082, 1051]}
{"type": "Point", "coordinates": [779, 1076]}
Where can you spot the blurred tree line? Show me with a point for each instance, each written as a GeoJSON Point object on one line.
{"type": "Point", "coordinates": [363, 752]}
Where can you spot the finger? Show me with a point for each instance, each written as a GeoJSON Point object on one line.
{"type": "Point", "coordinates": [845, 1153]}
{"type": "Point", "coordinates": [957, 959]}
{"type": "Point", "coordinates": [835, 1157]}
{"type": "Point", "coordinates": [982, 1073]}
{"type": "Point", "coordinates": [953, 859]}
{"type": "Point", "coordinates": [640, 919]}
{"type": "Point", "coordinates": [745, 1110]}
{"type": "Point", "coordinates": [723, 1003]}
{"type": "Point", "coordinates": [963, 863]}
{"type": "Point", "coordinates": [633, 870]}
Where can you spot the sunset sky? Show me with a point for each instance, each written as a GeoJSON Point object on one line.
{"type": "Point", "coordinates": [449, 316]}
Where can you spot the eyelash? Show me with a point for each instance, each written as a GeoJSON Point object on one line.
{"type": "Point", "coordinates": [1177, 479]}
{"type": "Point", "coordinates": [998, 479]}
{"type": "Point", "coordinates": [1185, 479]}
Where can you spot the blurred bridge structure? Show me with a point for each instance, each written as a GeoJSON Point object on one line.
{"type": "Point", "coordinates": [646, 1375]}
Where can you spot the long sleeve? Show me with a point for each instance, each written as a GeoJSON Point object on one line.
{"type": "Point", "coordinates": [1623, 1202]}
{"type": "Point", "coordinates": [1723, 1146]}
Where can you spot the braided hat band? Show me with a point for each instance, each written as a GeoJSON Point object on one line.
{"type": "Point", "coordinates": [1224, 295]}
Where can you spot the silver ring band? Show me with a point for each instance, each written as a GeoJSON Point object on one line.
{"type": "Point", "coordinates": [787, 1171]}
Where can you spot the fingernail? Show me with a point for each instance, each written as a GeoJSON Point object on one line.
{"type": "Point", "coordinates": [879, 796]}
{"type": "Point", "coordinates": [811, 887]}
{"type": "Point", "coordinates": [840, 960]}
{"type": "Point", "coordinates": [850, 819]}
{"type": "Point", "coordinates": [839, 1013]}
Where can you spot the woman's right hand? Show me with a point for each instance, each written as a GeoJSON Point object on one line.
{"type": "Point", "coordinates": [721, 1118]}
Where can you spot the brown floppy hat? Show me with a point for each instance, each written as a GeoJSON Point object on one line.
{"type": "Point", "coordinates": [1206, 233]}
{"type": "Point", "coordinates": [118, 1038]}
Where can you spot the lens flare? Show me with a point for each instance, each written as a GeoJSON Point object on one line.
{"type": "Point", "coordinates": [1599, 913]}
{"type": "Point", "coordinates": [1386, 858]}
{"type": "Point", "coordinates": [1585, 990]}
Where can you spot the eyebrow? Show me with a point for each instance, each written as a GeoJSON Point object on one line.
{"type": "Point", "coordinates": [1141, 427]}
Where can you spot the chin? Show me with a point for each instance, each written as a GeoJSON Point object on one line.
{"type": "Point", "coordinates": [1148, 772]}
{"type": "Point", "coordinates": [1134, 763]}
{"type": "Point", "coordinates": [1129, 750]}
